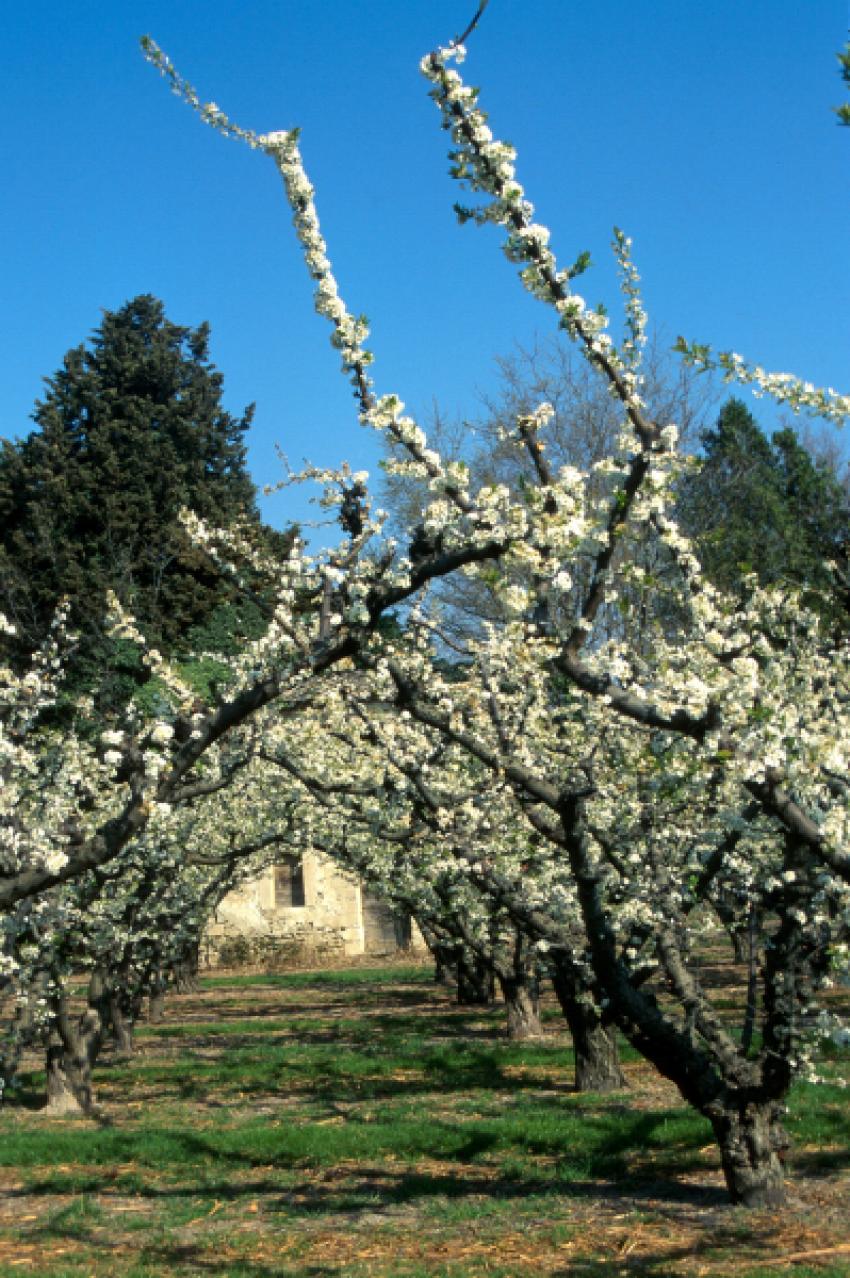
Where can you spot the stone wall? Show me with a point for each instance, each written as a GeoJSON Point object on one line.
{"type": "Point", "coordinates": [302, 913]}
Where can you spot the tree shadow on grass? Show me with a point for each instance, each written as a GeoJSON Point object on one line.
{"type": "Point", "coordinates": [27, 1092]}
{"type": "Point", "coordinates": [612, 1156]}
{"type": "Point", "coordinates": [726, 1246]}
{"type": "Point", "coordinates": [372, 1193]}
{"type": "Point", "coordinates": [188, 1258]}
{"type": "Point", "coordinates": [651, 1261]}
{"type": "Point", "coordinates": [345, 1168]}
{"type": "Point", "coordinates": [347, 1030]}
{"type": "Point", "coordinates": [375, 1189]}
{"type": "Point", "coordinates": [208, 1038]}
{"type": "Point", "coordinates": [264, 1066]}
{"type": "Point", "coordinates": [808, 1164]}
{"type": "Point", "coordinates": [234, 1008]}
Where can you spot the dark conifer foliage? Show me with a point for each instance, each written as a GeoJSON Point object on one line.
{"type": "Point", "coordinates": [765, 506]}
{"type": "Point", "coordinates": [130, 430]}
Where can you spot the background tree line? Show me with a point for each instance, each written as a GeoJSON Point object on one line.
{"type": "Point", "coordinates": [131, 429]}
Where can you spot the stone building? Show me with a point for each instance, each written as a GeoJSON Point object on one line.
{"type": "Point", "coordinates": [304, 911]}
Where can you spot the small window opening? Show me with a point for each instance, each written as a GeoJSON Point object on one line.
{"type": "Point", "coordinates": [289, 883]}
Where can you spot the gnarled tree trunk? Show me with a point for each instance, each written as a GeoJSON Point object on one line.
{"type": "Point", "coordinates": [522, 1001]}
{"type": "Point", "coordinates": [122, 1027]}
{"type": "Point", "coordinates": [445, 967]}
{"type": "Point", "coordinates": [475, 981]}
{"type": "Point", "coordinates": [156, 1005]}
{"type": "Point", "coordinates": [594, 1043]}
{"type": "Point", "coordinates": [185, 972]}
{"type": "Point", "coordinates": [74, 1046]}
{"type": "Point", "coordinates": [71, 1054]}
{"type": "Point", "coordinates": [752, 1140]}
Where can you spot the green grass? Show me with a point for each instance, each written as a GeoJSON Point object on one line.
{"type": "Point", "coordinates": [579, 1145]}
{"type": "Point", "coordinates": [355, 1123]}
{"type": "Point", "coordinates": [342, 978]}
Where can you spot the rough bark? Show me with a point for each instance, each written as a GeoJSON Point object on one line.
{"type": "Point", "coordinates": [523, 1006]}
{"type": "Point", "coordinates": [71, 1054]}
{"type": "Point", "coordinates": [597, 1056]}
{"type": "Point", "coordinates": [156, 1006]}
{"type": "Point", "coordinates": [444, 956]}
{"type": "Point", "coordinates": [740, 948]}
{"type": "Point", "coordinates": [751, 1009]}
{"type": "Point", "coordinates": [475, 982]}
{"type": "Point", "coordinates": [185, 972]}
{"type": "Point", "coordinates": [20, 1035]}
{"type": "Point", "coordinates": [62, 1096]}
{"type": "Point", "coordinates": [594, 1043]}
{"type": "Point", "coordinates": [73, 1047]}
{"type": "Point", "coordinates": [752, 1141]}
{"type": "Point", "coordinates": [122, 1028]}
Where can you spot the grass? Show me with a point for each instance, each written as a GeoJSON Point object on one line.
{"type": "Point", "coordinates": [355, 1123]}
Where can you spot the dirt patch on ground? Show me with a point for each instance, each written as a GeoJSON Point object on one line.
{"type": "Point", "coordinates": [173, 1178]}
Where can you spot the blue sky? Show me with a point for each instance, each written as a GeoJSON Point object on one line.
{"type": "Point", "coordinates": [705, 131]}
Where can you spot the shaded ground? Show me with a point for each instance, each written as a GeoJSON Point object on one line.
{"type": "Point", "coordinates": [358, 1124]}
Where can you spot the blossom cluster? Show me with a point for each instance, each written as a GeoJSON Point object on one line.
{"type": "Point", "coordinates": [784, 388]}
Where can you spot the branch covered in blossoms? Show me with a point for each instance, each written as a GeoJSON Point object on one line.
{"type": "Point", "coordinates": [783, 388]}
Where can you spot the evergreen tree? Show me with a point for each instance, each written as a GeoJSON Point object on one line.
{"type": "Point", "coordinates": [130, 430]}
{"type": "Point", "coordinates": [764, 506]}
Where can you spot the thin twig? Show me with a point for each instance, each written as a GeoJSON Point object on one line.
{"type": "Point", "coordinates": [461, 39]}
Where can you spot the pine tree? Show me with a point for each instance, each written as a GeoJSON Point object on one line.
{"type": "Point", "coordinates": [765, 507]}
{"type": "Point", "coordinates": [130, 430]}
